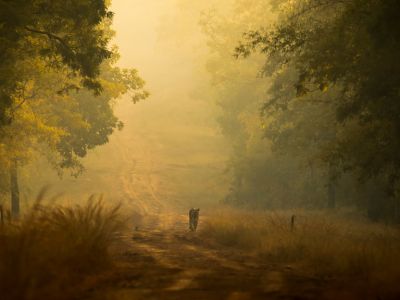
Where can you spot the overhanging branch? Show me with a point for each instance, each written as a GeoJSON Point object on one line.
{"type": "Point", "coordinates": [51, 36]}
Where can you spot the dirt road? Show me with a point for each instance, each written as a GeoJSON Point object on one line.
{"type": "Point", "coordinates": [162, 260]}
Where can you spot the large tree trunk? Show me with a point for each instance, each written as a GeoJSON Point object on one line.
{"type": "Point", "coordinates": [14, 190]}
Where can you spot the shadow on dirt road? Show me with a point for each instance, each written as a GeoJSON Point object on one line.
{"type": "Point", "coordinates": [163, 260]}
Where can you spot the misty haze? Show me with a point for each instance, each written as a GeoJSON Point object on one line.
{"type": "Point", "coordinates": [216, 149]}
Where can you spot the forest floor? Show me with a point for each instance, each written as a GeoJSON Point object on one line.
{"type": "Point", "coordinates": [163, 260]}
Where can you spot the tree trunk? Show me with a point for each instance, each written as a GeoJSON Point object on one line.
{"type": "Point", "coordinates": [331, 187]}
{"type": "Point", "coordinates": [397, 210]}
{"type": "Point", "coordinates": [331, 194]}
{"type": "Point", "coordinates": [14, 190]}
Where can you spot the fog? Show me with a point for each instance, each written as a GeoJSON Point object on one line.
{"type": "Point", "coordinates": [216, 149]}
{"type": "Point", "coordinates": [170, 153]}
{"type": "Point", "coordinates": [233, 117]}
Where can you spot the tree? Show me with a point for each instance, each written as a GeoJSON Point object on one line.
{"type": "Point", "coordinates": [59, 33]}
{"type": "Point", "coordinates": [61, 104]}
{"type": "Point", "coordinates": [265, 172]}
{"type": "Point", "coordinates": [63, 126]}
{"type": "Point", "coordinates": [351, 47]}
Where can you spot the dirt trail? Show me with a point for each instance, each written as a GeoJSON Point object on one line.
{"type": "Point", "coordinates": [162, 260]}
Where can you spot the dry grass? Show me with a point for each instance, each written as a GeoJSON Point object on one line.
{"type": "Point", "coordinates": [323, 244]}
{"type": "Point", "coordinates": [51, 251]}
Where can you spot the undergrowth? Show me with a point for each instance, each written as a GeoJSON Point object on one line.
{"type": "Point", "coordinates": [52, 250]}
{"type": "Point", "coordinates": [323, 244]}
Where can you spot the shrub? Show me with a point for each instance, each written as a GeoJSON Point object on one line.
{"type": "Point", "coordinates": [48, 253]}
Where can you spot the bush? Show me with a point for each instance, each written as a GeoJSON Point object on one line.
{"type": "Point", "coordinates": [51, 250]}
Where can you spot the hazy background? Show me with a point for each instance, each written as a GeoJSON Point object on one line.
{"type": "Point", "coordinates": [170, 152]}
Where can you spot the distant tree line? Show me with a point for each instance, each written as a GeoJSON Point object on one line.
{"type": "Point", "coordinates": [325, 131]}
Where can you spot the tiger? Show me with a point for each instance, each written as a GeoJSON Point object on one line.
{"type": "Point", "coordinates": [193, 218]}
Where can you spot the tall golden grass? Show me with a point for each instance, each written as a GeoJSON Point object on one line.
{"type": "Point", "coordinates": [323, 244]}
{"type": "Point", "coordinates": [50, 252]}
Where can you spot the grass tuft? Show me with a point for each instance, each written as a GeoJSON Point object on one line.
{"type": "Point", "coordinates": [325, 245]}
{"type": "Point", "coordinates": [51, 250]}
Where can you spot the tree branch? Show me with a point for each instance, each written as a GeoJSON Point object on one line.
{"type": "Point", "coordinates": [51, 36]}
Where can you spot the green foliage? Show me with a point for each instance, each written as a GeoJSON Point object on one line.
{"type": "Point", "coordinates": [349, 46]}
{"type": "Point", "coordinates": [95, 116]}
{"type": "Point", "coordinates": [268, 170]}
{"type": "Point", "coordinates": [58, 82]}
{"type": "Point", "coordinates": [335, 92]}
{"type": "Point", "coordinates": [60, 34]}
